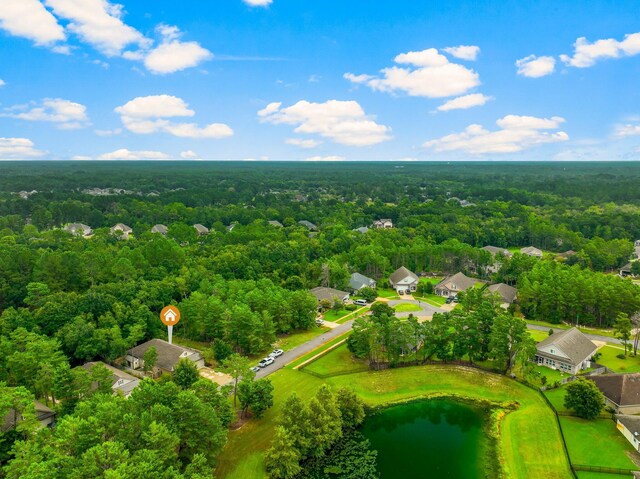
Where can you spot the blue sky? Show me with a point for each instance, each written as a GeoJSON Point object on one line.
{"type": "Point", "coordinates": [319, 79]}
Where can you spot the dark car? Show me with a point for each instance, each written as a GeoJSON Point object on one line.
{"type": "Point", "coordinates": [448, 300]}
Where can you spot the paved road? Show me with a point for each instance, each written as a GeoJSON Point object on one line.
{"type": "Point", "coordinates": [594, 337]}
{"type": "Point", "coordinates": [303, 349]}
{"type": "Point", "coordinates": [427, 309]}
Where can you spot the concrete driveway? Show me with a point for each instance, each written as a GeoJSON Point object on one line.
{"type": "Point", "coordinates": [426, 309]}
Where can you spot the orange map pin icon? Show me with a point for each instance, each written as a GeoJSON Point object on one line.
{"type": "Point", "coordinates": [170, 315]}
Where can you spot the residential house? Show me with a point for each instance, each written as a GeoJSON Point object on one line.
{"type": "Point", "coordinates": [637, 249]}
{"type": "Point", "coordinates": [160, 229]}
{"type": "Point", "coordinates": [629, 426]}
{"type": "Point", "coordinates": [329, 294]}
{"type": "Point", "coordinates": [569, 351]}
{"type": "Point", "coordinates": [231, 226]}
{"type": "Point", "coordinates": [168, 355]}
{"type": "Point", "coordinates": [308, 224]}
{"type": "Point", "coordinates": [507, 293]}
{"type": "Point", "coordinates": [403, 280]}
{"type": "Point", "coordinates": [625, 270]}
{"type": "Point", "coordinates": [44, 415]}
{"type": "Point", "coordinates": [121, 382]}
{"type": "Point", "coordinates": [496, 252]}
{"type": "Point", "coordinates": [567, 254]}
{"type": "Point", "coordinates": [531, 251]}
{"type": "Point", "coordinates": [201, 230]}
{"type": "Point", "coordinates": [362, 229]}
{"type": "Point", "coordinates": [452, 285]}
{"type": "Point", "coordinates": [79, 229]}
{"type": "Point", "coordinates": [359, 281]}
{"type": "Point", "coordinates": [276, 224]}
{"type": "Point", "coordinates": [124, 229]}
{"type": "Point", "coordinates": [384, 223]}
{"type": "Point", "coordinates": [621, 391]}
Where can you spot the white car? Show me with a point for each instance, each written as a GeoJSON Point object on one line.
{"type": "Point", "coordinates": [276, 353]}
{"type": "Point", "coordinates": [265, 362]}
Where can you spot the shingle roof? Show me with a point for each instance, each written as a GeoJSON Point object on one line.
{"type": "Point", "coordinates": [308, 224]}
{"type": "Point", "coordinates": [531, 250]}
{"type": "Point", "coordinates": [131, 381]}
{"type": "Point", "coordinates": [359, 281]}
{"type": "Point", "coordinates": [494, 250]}
{"type": "Point", "coordinates": [632, 423]}
{"type": "Point", "coordinates": [201, 229]}
{"type": "Point", "coordinates": [121, 227]}
{"type": "Point", "coordinates": [275, 223]}
{"type": "Point", "coordinates": [168, 354]}
{"type": "Point", "coordinates": [507, 292]}
{"type": "Point", "coordinates": [159, 228]}
{"type": "Point", "coordinates": [362, 229]}
{"type": "Point", "coordinates": [572, 343]}
{"type": "Point", "coordinates": [622, 389]}
{"type": "Point", "coordinates": [322, 293]}
{"type": "Point", "coordinates": [11, 419]}
{"type": "Point", "coordinates": [462, 281]}
{"type": "Point", "coordinates": [400, 274]}
{"type": "Point", "coordinates": [78, 228]}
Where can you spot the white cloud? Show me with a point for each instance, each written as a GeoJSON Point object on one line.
{"type": "Point", "coordinates": [151, 114]}
{"type": "Point", "coordinates": [173, 55]}
{"type": "Point", "coordinates": [98, 23]}
{"type": "Point", "coordinates": [2, 83]}
{"type": "Point", "coordinates": [627, 129]}
{"type": "Point", "coordinates": [18, 148]}
{"type": "Point", "coordinates": [343, 122]}
{"type": "Point", "coordinates": [30, 19]}
{"type": "Point", "coordinates": [189, 155]}
{"type": "Point", "coordinates": [586, 54]}
{"type": "Point", "coordinates": [464, 52]}
{"type": "Point", "coordinates": [430, 75]}
{"type": "Point", "coordinates": [303, 143]}
{"type": "Point", "coordinates": [258, 3]}
{"type": "Point", "coordinates": [125, 154]}
{"type": "Point", "coordinates": [114, 132]}
{"type": "Point", "coordinates": [464, 102]}
{"type": "Point", "coordinates": [325, 158]}
{"type": "Point", "coordinates": [516, 133]}
{"type": "Point", "coordinates": [67, 114]}
{"type": "Point", "coordinates": [535, 67]}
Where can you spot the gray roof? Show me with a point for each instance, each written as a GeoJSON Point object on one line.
{"type": "Point", "coordinates": [531, 250]}
{"type": "Point", "coordinates": [128, 382]}
{"type": "Point", "coordinates": [308, 224]}
{"type": "Point", "coordinates": [362, 229]}
{"type": "Point", "coordinates": [462, 282]}
{"type": "Point", "coordinates": [121, 227]}
{"type": "Point", "coordinates": [78, 228]}
{"type": "Point", "coordinates": [622, 389]}
{"type": "Point", "coordinates": [275, 223]}
{"type": "Point", "coordinates": [626, 268]}
{"type": "Point", "coordinates": [201, 229]}
{"type": "Point", "coordinates": [400, 274]}
{"type": "Point", "coordinates": [322, 293]}
{"type": "Point", "coordinates": [168, 354]}
{"type": "Point", "coordinates": [359, 281]}
{"type": "Point", "coordinates": [494, 250]}
{"type": "Point", "coordinates": [632, 423]}
{"type": "Point", "coordinates": [159, 228]}
{"type": "Point", "coordinates": [11, 419]}
{"type": "Point", "coordinates": [572, 343]}
{"type": "Point", "coordinates": [508, 293]}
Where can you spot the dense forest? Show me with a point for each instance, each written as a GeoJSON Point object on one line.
{"type": "Point", "coordinates": [66, 300]}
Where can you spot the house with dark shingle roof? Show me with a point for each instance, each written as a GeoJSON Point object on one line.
{"type": "Point", "coordinates": [621, 391]}
{"type": "Point", "coordinates": [124, 229]}
{"type": "Point", "coordinates": [308, 224]}
{"type": "Point", "coordinates": [44, 415]}
{"type": "Point", "coordinates": [507, 293]}
{"type": "Point", "coordinates": [201, 229]}
{"type": "Point", "coordinates": [275, 224]}
{"type": "Point", "coordinates": [359, 281]}
{"type": "Point", "coordinates": [121, 382]}
{"type": "Point", "coordinates": [532, 251]}
{"type": "Point", "coordinates": [569, 351]}
{"type": "Point", "coordinates": [79, 229]}
{"type": "Point", "coordinates": [160, 229]}
{"type": "Point", "coordinates": [168, 355]}
{"type": "Point", "coordinates": [454, 284]}
{"type": "Point", "coordinates": [403, 280]}
{"type": "Point", "coordinates": [629, 426]}
{"type": "Point", "coordinates": [496, 253]}
{"type": "Point", "coordinates": [329, 294]}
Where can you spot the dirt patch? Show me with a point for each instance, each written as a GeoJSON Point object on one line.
{"type": "Point", "coordinates": [215, 376]}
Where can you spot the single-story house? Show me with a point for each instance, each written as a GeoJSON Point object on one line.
{"type": "Point", "coordinates": [44, 415]}
{"type": "Point", "coordinates": [161, 229]}
{"type": "Point", "coordinates": [403, 280]}
{"type": "Point", "coordinates": [79, 229]}
{"type": "Point", "coordinates": [509, 294]}
{"type": "Point", "coordinates": [201, 229]}
{"type": "Point", "coordinates": [121, 382]}
{"type": "Point", "coordinates": [126, 231]}
{"type": "Point", "coordinates": [629, 426]}
{"type": "Point", "coordinates": [359, 281]}
{"type": "Point", "coordinates": [625, 270]}
{"type": "Point", "coordinates": [329, 294]}
{"type": "Point", "coordinates": [168, 355]}
{"type": "Point", "coordinates": [231, 226]}
{"type": "Point", "coordinates": [275, 224]}
{"type": "Point", "coordinates": [454, 284]}
{"type": "Point", "coordinates": [362, 229]}
{"type": "Point", "coordinates": [569, 351]}
{"type": "Point", "coordinates": [567, 254]}
{"type": "Point", "coordinates": [532, 251]}
{"type": "Point", "coordinates": [308, 224]}
{"type": "Point", "coordinates": [494, 250]}
{"type": "Point", "coordinates": [384, 223]}
{"type": "Point", "coordinates": [621, 391]}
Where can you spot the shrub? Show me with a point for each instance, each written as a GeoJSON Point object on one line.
{"type": "Point", "coordinates": [621, 356]}
{"type": "Point", "coordinates": [351, 307]}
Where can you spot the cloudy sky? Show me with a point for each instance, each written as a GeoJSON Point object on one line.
{"type": "Point", "coordinates": [319, 79]}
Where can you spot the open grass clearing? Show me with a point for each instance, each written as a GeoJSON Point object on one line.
{"type": "Point", "coordinates": [318, 350]}
{"type": "Point", "coordinates": [630, 364]}
{"type": "Point", "coordinates": [295, 339]}
{"type": "Point", "coordinates": [599, 331]}
{"type": "Point", "coordinates": [432, 299]}
{"type": "Point", "coordinates": [407, 308]}
{"type": "Point", "coordinates": [338, 361]}
{"type": "Point", "coordinates": [335, 314]}
{"type": "Point", "coordinates": [387, 294]}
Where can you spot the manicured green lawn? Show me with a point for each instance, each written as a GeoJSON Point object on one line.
{"type": "Point", "coordinates": [552, 375]}
{"type": "Point", "coordinates": [530, 439]}
{"type": "Point", "coordinates": [630, 364]}
{"type": "Point", "coordinates": [355, 314]}
{"type": "Point", "coordinates": [406, 308]}
{"type": "Point", "coordinates": [339, 360]}
{"type": "Point", "coordinates": [190, 343]}
{"type": "Point", "coordinates": [598, 475]}
{"type": "Point", "coordinates": [333, 314]}
{"type": "Point", "coordinates": [433, 281]}
{"type": "Point", "coordinates": [596, 443]}
{"type": "Point", "coordinates": [556, 397]}
{"type": "Point", "coordinates": [317, 351]}
{"type": "Point", "coordinates": [598, 331]}
{"type": "Point", "coordinates": [538, 335]}
{"type": "Point", "coordinates": [388, 294]}
{"type": "Point", "coordinates": [295, 339]}
{"type": "Point", "coordinates": [432, 299]}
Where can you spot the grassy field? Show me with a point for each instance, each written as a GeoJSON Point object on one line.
{"type": "Point", "coordinates": [333, 315]}
{"type": "Point", "coordinates": [531, 444]}
{"type": "Point", "coordinates": [432, 299]}
{"type": "Point", "coordinates": [317, 351]}
{"type": "Point", "coordinates": [551, 375]}
{"type": "Point", "coordinates": [556, 398]}
{"type": "Point", "coordinates": [602, 332]}
{"type": "Point", "coordinates": [355, 314]}
{"type": "Point", "coordinates": [297, 338]}
{"type": "Point", "coordinates": [538, 335]}
{"type": "Point", "coordinates": [630, 364]}
{"type": "Point", "coordinates": [596, 443]}
{"type": "Point", "coordinates": [388, 294]}
{"type": "Point", "coordinates": [407, 308]}
{"type": "Point", "coordinates": [338, 361]}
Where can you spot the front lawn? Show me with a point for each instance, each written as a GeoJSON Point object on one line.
{"type": "Point", "coordinates": [596, 443]}
{"type": "Point", "coordinates": [432, 299]}
{"type": "Point", "coordinates": [295, 339]}
{"type": "Point", "coordinates": [601, 332]}
{"type": "Point", "coordinates": [630, 364]}
{"type": "Point", "coordinates": [388, 294]}
{"type": "Point", "coordinates": [538, 335]}
{"type": "Point", "coordinates": [335, 314]}
{"type": "Point", "coordinates": [340, 360]}
{"type": "Point", "coordinates": [433, 281]}
{"type": "Point", "coordinates": [407, 308]}
{"type": "Point", "coordinates": [551, 374]}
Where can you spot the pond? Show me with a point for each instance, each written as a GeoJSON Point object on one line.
{"type": "Point", "coordinates": [430, 439]}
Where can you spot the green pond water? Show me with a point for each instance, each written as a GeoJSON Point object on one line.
{"type": "Point", "coordinates": [428, 439]}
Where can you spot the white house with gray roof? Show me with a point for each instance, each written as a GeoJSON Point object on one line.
{"type": "Point", "coordinates": [532, 251]}
{"type": "Point", "coordinates": [123, 229]}
{"type": "Point", "coordinates": [201, 229]}
{"type": "Point", "coordinates": [359, 281]}
{"type": "Point", "coordinates": [329, 294]}
{"type": "Point", "coordinates": [629, 426]}
{"type": "Point", "coordinates": [160, 229]}
{"type": "Point", "coordinates": [121, 382]}
{"type": "Point", "coordinates": [79, 229]}
{"type": "Point", "coordinates": [569, 351]}
{"type": "Point", "coordinates": [168, 355]}
{"type": "Point", "coordinates": [508, 294]}
{"type": "Point", "coordinates": [404, 280]}
{"type": "Point", "coordinates": [454, 284]}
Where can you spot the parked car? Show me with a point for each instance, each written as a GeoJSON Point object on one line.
{"type": "Point", "coordinates": [455, 299]}
{"type": "Point", "coordinates": [319, 322]}
{"type": "Point", "coordinates": [277, 353]}
{"type": "Point", "coordinates": [255, 369]}
{"type": "Point", "coordinates": [265, 362]}
{"type": "Point", "coordinates": [449, 300]}
{"type": "Point", "coordinates": [400, 292]}
{"type": "Point", "coordinates": [360, 302]}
